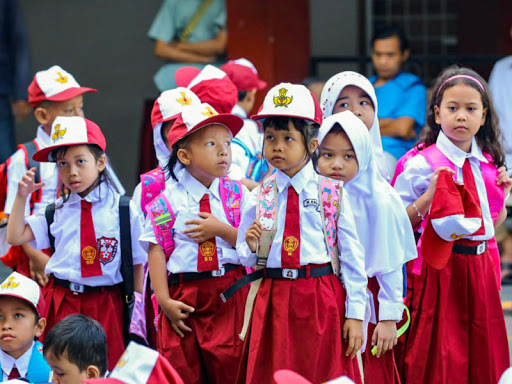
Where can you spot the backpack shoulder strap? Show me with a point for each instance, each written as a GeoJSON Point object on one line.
{"type": "Point", "coordinates": [266, 214]}
{"type": "Point", "coordinates": [49, 214]}
{"type": "Point", "coordinates": [231, 196]}
{"type": "Point", "coordinates": [127, 287]}
{"type": "Point", "coordinates": [162, 218]}
{"type": "Point", "coordinates": [435, 157]}
{"type": "Point", "coordinates": [152, 184]}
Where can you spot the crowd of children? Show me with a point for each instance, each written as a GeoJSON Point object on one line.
{"type": "Point", "coordinates": [261, 250]}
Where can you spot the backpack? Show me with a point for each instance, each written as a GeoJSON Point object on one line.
{"type": "Point", "coordinates": [258, 166]}
{"type": "Point", "coordinates": [152, 183]}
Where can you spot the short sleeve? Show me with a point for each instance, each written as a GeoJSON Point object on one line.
{"type": "Point", "coordinates": [164, 27]}
{"type": "Point", "coordinates": [139, 253]}
{"type": "Point", "coordinates": [39, 228]}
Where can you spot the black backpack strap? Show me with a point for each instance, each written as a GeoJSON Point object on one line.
{"type": "Point", "coordinates": [49, 213]}
{"type": "Point", "coordinates": [126, 264]}
{"type": "Point", "coordinates": [31, 148]}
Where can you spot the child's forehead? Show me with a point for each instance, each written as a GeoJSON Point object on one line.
{"type": "Point", "coordinates": [351, 89]}
{"type": "Point", "coordinates": [9, 302]}
{"type": "Point", "coordinates": [210, 130]}
{"type": "Point", "coordinates": [72, 151]}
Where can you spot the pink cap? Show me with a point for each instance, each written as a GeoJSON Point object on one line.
{"type": "Point", "coordinates": [67, 131]}
{"type": "Point", "coordinates": [243, 74]}
{"type": "Point", "coordinates": [21, 287]}
{"type": "Point", "coordinates": [171, 103]}
{"type": "Point", "coordinates": [184, 75]}
{"type": "Point", "coordinates": [54, 84]}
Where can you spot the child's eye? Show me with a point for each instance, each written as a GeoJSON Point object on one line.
{"type": "Point", "coordinates": [228, 143]}
{"type": "Point", "coordinates": [364, 102]}
{"type": "Point", "coordinates": [349, 156]}
{"type": "Point", "coordinates": [61, 163]}
{"type": "Point", "coordinates": [81, 161]}
{"type": "Point", "coordinates": [452, 108]}
{"type": "Point", "coordinates": [269, 137]}
{"type": "Point", "coordinates": [344, 105]}
{"type": "Point", "coordinates": [210, 143]}
{"type": "Point", "coordinates": [288, 138]}
{"type": "Point", "coordinates": [18, 316]}
{"type": "Point", "coordinates": [471, 109]}
{"type": "Point", "coordinates": [327, 154]}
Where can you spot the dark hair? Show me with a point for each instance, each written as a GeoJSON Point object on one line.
{"type": "Point", "coordinates": [390, 31]}
{"type": "Point", "coordinates": [241, 95]}
{"type": "Point", "coordinates": [488, 136]}
{"type": "Point", "coordinates": [173, 159]}
{"type": "Point", "coordinates": [308, 131]}
{"type": "Point", "coordinates": [162, 129]}
{"type": "Point", "coordinates": [97, 152]}
{"type": "Point", "coordinates": [81, 339]}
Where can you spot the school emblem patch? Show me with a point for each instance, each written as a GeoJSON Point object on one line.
{"type": "Point", "coordinates": [290, 244]}
{"type": "Point", "coordinates": [59, 133]}
{"type": "Point", "coordinates": [209, 112]}
{"type": "Point", "coordinates": [107, 247]}
{"type": "Point", "coordinates": [207, 248]}
{"type": "Point", "coordinates": [89, 254]}
{"type": "Point", "coordinates": [61, 79]}
{"type": "Point", "coordinates": [11, 283]}
{"type": "Point", "coordinates": [282, 100]}
{"type": "Point", "coordinates": [184, 100]}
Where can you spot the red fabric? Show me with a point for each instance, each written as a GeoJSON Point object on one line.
{"type": "Point", "coordinates": [470, 184]}
{"type": "Point", "coordinates": [89, 260]}
{"type": "Point", "coordinates": [106, 307]}
{"type": "Point", "coordinates": [290, 251]}
{"type": "Point", "coordinates": [147, 157]}
{"type": "Point", "coordinates": [207, 251]}
{"type": "Point", "coordinates": [211, 352]}
{"type": "Point", "coordinates": [457, 333]}
{"type": "Point", "coordinates": [297, 325]}
{"type": "Point", "coordinates": [382, 370]}
{"type": "Point", "coordinates": [15, 374]}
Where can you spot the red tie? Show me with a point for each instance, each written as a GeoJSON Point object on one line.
{"type": "Point", "coordinates": [207, 250]}
{"type": "Point", "coordinates": [470, 184]}
{"type": "Point", "coordinates": [14, 374]}
{"type": "Point", "coordinates": [290, 252]}
{"type": "Point", "coordinates": [89, 258]}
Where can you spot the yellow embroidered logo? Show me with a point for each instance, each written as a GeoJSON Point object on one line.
{"type": "Point", "coordinates": [457, 237]}
{"type": "Point", "coordinates": [89, 254]}
{"type": "Point", "coordinates": [209, 112]}
{"type": "Point", "coordinates": [58, 132]}
{"type": "Point", "coordinates": [290, 244]}
{"type": "Point", "coordinates": [61, 79]}
{"type": "Point", "coordinates": [10, 283]}
{"type": "Point", "coordinates": [184, 100]}
{"type": "Point", "coordinates": [121, 363]}
{"type": "Point", "coordinates": [207, 248]}
{"type": "Point", "coordinates": [282, 100]}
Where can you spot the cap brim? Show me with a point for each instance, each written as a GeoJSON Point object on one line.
{"type": "Point", "coordinates": [259, 118]}
{"type": "Point", "coordinates": [231, 122]}
{"type": "Point", "coordinates": [184, 75]}
{"type": "Point", "coordinates": [434, 250]}
{"type": "Point", "coordinates": [70, 93]}
{"type": "Point", "coordinates": [43, 155]}
{"type": "Point", "coordinates": [25, 300]}
{"type": "Point", "coordinates": [261, 85]}
{"type": "Point", "coordinates": [285, 376]}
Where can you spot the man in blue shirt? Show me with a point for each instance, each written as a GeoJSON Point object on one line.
{"type": "Point", "coordinates": [402, 97]}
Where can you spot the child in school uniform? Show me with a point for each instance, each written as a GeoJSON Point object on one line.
{"type": "Point", "coordinates": [191, 232]}
{"type": "Point", "coordinates": [53, 92]}
{"type": "Point", "coordinates": [345, 153]}
{"type": "Point", "coordinates": [353, 92]}
{"type": "Point", "coordinates": [457, 333]}
{"type": "Point", "coordinates": [85, 266]}
{"type": "Point", "coordinates": [21, 323]}
{"type": "Point", "coordinates": [303, 318]}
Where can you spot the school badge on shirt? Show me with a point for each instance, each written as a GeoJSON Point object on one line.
{"type": "Point", "coordinates": [107, 247]}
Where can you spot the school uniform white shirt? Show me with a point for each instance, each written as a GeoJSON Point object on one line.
{"type": "Point", "coordinates": [415, 179]}
{"type": "Point", "coordinates": [65, 262]}
{"type": "Point", "coordinates": [313, 248]}
{"type": "Point", "coordinates": [252, 138]}
{"type": "Point", "coordinates": [184, 197]}
{"type": "Point", "coordinates": [21, 363]}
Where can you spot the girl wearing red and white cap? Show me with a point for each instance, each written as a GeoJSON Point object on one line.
{"type": "Point", "coordinates": [84, 269]}
{"type": "Point", "coordinates": [191, 233]}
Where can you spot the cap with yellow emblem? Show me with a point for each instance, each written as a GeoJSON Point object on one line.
{"type": "Point", "coordinates": [21, 287]}
{"type": "Point", "coordinates": [54, 84]}
{"type": "Point", "coordinates": [199, 116]}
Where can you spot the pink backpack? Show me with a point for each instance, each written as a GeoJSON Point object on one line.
{"type": "Point", "coordinates": [152, 184]}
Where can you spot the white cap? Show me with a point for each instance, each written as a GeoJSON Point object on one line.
{"type": "Point", "coordinates": [21, 287]}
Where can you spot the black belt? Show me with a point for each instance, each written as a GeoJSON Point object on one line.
{"type": "Point", "coordinates": [276, 273]}
{"type": "Point", "coordinates": [80, 288]}
{"type": "Point", "coordinates": [469, 250]}
{"type": "Point", "coordinates": [177, 278]}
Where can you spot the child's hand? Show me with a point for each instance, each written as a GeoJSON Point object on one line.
{"type": "Point", "coordinates": [27, 184]}
{"type": "Point", "coordinates": [504, 180]}
{"type": "Point", "coordinates": [177, 311]}
{"type": "Point", "coordinates": [207, 228]}
{"type": "Point", "coordinates": [353, 334]}
{"type": "Point", "coordinates": [253, 234]}
{"type": "Point", "coordinates": [384, 336]}
{"type": "Point", "coordinates": [37, 262]}
{"type": "Point", "coordinates": [429, 194]}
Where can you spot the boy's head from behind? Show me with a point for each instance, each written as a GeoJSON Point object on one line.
{"type": "Point", "coordinates": [55, 92]}
{"type": "Point", "coordinates": [76, 349]}
{"type": "Point", "coordinates": [21, 304]}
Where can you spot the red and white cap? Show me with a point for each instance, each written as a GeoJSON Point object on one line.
{"type": "Point", "coordinates": [454, 214]}
{"type": "Point", "coordinates": [290, 100]}
{"type": "Point", "coordinates": [140, 365]}
{"type": "Point", "coordinates": [198, 116]}
{"type": "Point", "coordinates": [184, 75]}
{"type": "Point", "coordinates": [54, 84]}
{"type": "Point", "coordinates": [171, 103]}
{"type": "Point", "coordinates": [243, 74]}
{"type": "Point", "coordinates": [67, 131]}
{"type": "Point", "coordinates": [285, 376]}
{"type": "Point", "coordinates": [21, 287]}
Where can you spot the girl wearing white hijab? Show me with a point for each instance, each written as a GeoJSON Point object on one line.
{"type": "Point", "coordinates": [332, 103]}
{"type": "Point", "coordinates": [345, 153]}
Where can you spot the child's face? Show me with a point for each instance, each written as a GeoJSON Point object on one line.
{"type": "Point", "coordinates": [357, 101]}
{"type": "Point", "coordinates": [79, 170]}
{"type": "Point", "coordinates": [18, 326]}
{"type": "Point", "coordinates": [65, 372]}
{"type": "Point", "coordinates": [207, 154]}
{"type": "Point", "coordinates": [285, 150]}
{"type": "Point", "coordinates": [461, 114]}
{"type": "Point", "coordinates": [337, 157]}
{"type": "Point", "coordinates": [71, 107]}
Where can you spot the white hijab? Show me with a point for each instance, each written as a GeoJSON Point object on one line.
{"type": "Point", "coordinates": [382, 222]}
{"type": "Point", "coordinates": [330, 94]}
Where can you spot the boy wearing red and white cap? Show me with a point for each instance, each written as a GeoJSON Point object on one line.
{"type": "Point", "coordinates": [248, 165]}
{"type": "Point", "coordinates": [21, 322]}
{"type": "Point", "coordinates": [191, 233]}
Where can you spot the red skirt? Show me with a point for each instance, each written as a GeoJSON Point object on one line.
{"type": "Point", "coordinates": [458, 332]}
{"type": "Point", "coordinates": [297, 325]}
{"type": "Point", "coordinates": [211, 352]}
{"type": "Point", "coordinates": [105, 307]}
{"type": "Point", "coordinates": [380, 370]}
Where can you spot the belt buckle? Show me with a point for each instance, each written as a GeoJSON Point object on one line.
{"type": "Point", "coordinates": [76, 288]}
{"type": "Point", "coordinates": [219, 272]}
{"type": "Point", "coordinates": [291, 274]}
{"type": "Point", "coordinates": [480, 248]}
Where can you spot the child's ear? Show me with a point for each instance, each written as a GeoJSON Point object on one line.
{"type": "Point", "coordinates": [102, 163]}
{"type": "Point", "coordinates": [436, 115]}
{"type": "Point", "coordinates": [42, 115]}
{"type": "Point", "coordinates": [313, 145]}
{"type": "Point", "coordinates": [183, 156]}
{"type": "Point", "coordinates": [484, 116]}
{"type": "Point", "coordinates": [40, 326]}
{"type": "Point", "coordinates": [92, 372]}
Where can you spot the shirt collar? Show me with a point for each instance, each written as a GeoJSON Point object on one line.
{"type": "Point", "coordinates": [43, 139]}
{"type": "Point", "coordinates": [97, 194]}
{"type": "Point", "coordinates": [456, 155]}
{"type": "Point", "coordinates": [239, 111]}
{"type": "Point", "coordinates": [197, 190]}
{"type": "Point", "coordinates": [7, 362]}
{"type": "Point", "coordinates": [298, 181]}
